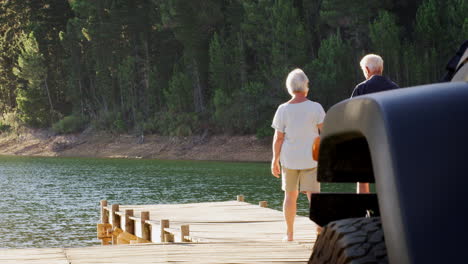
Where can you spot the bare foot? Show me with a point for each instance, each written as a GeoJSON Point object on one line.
{"type": "Point", "coordinates": [288, 237]}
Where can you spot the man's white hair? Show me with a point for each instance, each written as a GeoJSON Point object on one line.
{"type": "Point", "coordinates": [373, 62]}
{"type": "Point", "coordinates": [297, 81]}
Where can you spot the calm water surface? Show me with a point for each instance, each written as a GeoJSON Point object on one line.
{"type": "Point", "coordinates": [54, 202]}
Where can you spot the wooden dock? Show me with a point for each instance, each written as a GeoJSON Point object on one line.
{"type": "Point", "coordinates": [215, 232]}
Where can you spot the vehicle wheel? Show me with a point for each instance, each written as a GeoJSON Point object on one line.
{"type": "Point", "coordinates": [351, 241]}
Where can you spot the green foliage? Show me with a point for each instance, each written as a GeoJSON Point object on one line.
{"type": "Point", "coordinates": [352, 18]}
{"type": "Point", "coordinates": [194, 22]}
{"type": "Point", "coordinates": [11, 121]}
{"type": "Point", "coordinates": [428, 29]}
{"type": "Point", "coordinates": [110, 121]}
{"type": "Point", "coordinates": [329, 74]}
{"type": "Point", "coordinates": [31, 98]}
{"type": "Point", "coordinates": [264, 131]}
{"type": "Point", "coordinates": [178, 67]}
{"type": "Point", "coordinates": [275, 33]}
{"type": "Point", "coordinates": [4, 127]}
{"type": "Point", "coordinates": [225, 58]}
{"type": "Point", "coordinates": [172, 124]}
{"type": "Point", "coordinates": [30, 62]}
{"type": "Point", "coordinates": [69, 124]}
{"type": "Point", "coordinates": [385, 38]}
{"type": "Point", "coordinates": [439, 31]}
{"type": "Point", "coordinates": [32, 108]}
{"type": "Point", "coordinates": [13, 18]}
{"type": "Point", "coordinates": [288, 48]}
{"type": "Point", "coordinates": [218, 68]}
{"type": "Point", "coordinates": [178, 93]}
{"type": "Point", "coordinates": [119, 125]}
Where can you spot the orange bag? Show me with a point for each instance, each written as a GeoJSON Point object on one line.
{"type": "Point", "coordinates": [315, 148]}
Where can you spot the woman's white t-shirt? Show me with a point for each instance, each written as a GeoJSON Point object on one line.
{"type": "Point", "coordinates": [299, 123]}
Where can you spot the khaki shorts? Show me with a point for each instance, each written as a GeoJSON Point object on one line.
{"type": "Point", "coordinates": [303, 180]}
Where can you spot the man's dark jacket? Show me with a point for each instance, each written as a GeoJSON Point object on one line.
{"type": "Point", "coordinates": [376, 83]}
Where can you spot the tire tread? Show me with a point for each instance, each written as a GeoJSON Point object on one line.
{"type": "Point", "coordinates": [351, 241]}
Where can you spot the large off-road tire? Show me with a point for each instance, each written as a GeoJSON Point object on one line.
{"type": "Point", "coordinates": [351, 241]}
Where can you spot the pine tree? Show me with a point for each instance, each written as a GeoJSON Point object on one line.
{"type": "Point", "coordinates": [330, 74]}
{"type": "Point", "coordinates": [34, 102]}
{"type": "Point", "coordinates": [440, 28]}
{"type": "Point", "coordinates": [352, 18]}
{"type": "Point", "coordinates": [193, 23]}
{"type": "Point", "coordinates": [386, 41]}
{"type": "Point", "coordinates": [14, 19]}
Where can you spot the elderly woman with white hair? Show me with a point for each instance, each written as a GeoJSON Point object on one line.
{"type": "Point", "coordinates": [297, 123]}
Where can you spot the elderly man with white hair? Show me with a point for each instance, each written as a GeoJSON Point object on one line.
{"type": "Point", "coordinates": [372, 67]}
{"type": "Point", "coordinates": [297, 123]}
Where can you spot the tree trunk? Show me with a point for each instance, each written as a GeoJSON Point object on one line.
{"type": "Point", "coordinates": [198, 89]}
{"type": "Point", "coordinates": [48, 96]}
{"type": "Point", "coordinates": [141, 55]}
{"type": "Point", "coordinates": [81, 97]}
{"type": "Point", "coordinates": [242, 63]}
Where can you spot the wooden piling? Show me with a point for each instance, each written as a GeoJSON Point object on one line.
{"type": "Point", "coordinates": [106, 241]}
{"type": "Point", "coordinates": [115, 217]}
{"type": "Point", "coordinates": [116, 231]}
{"type": "Point", "coordinates": [104, 214]}
{"type": "Point", "coordinates": [145, 228]}
{"type": "Point", "coordinates": [103, 234]}
{"type": "Point", "coordinates": [164, 224]}
{"type": "Point", "coordinates": [168, 237]}
{"type": "Point", "coordinates": [263, 204]}
{"type": "Point", "coordinates": [240, 198]}
{"type": "Point", "coordinates": [129, 223]}
{"type": "Point", "coordinates": [184, 232]}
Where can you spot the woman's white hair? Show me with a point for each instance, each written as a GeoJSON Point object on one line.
{"type": "Point", "coordinates": [297, 81]}
{"type": "Point", "coordinates": [373, 62]}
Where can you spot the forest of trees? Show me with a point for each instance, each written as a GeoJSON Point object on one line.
{"type": "Point", "coordinates": [183, 67]}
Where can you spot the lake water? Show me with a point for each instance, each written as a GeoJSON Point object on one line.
{"type": "Point", "coordinates": [54, 202]}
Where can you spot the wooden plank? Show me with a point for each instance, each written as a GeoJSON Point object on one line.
{"type": "Point", "coordinates": [164, 253]}
{"type": "Point", "coordinates": [102, 231]}
{"type": "Point", "coordinates": [125, 238]}
{"type": "Point", "coordinates": [211, 220]}
{"type": "Point", "coordinates": [115, 234]}
{"type": "Point", "coordinates": [226, 232]}
{"type": "Point", "coordinates": [33, 256]}
{"type": "Point", "coordinates": [194, 253]}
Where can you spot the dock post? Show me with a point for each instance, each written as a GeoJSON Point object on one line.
{"type": "Point", "coordinates": [115, 217]}
{"type": "Point", "coordinates": [263, 204]}
{"type": "Point", "coordinates": [145, 228]}
{"type": "Point", "coordinates": [104, 215]}
{"type": "Point", "coordinates": [129, 223]}
{"type": "Point", "coordinates": [104, 226]}
{"type": "Point", "coordinates": [240, 198]}
{"type": "Point", "coordinates": [164, 224]}
{"type": "Point", "coordinates": [184, 231]}
{"type": "Point", "coordinates": [168, 237]}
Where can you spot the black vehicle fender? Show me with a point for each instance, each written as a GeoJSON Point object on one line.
{"type": "Point", "coordinates": [413, 142]}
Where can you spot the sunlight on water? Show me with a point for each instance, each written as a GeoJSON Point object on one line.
{"type": "Point", "coordinates": [54, 202]}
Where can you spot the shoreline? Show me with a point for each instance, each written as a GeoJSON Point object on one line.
{"type": "Point", "coordinates": [91, 144]}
